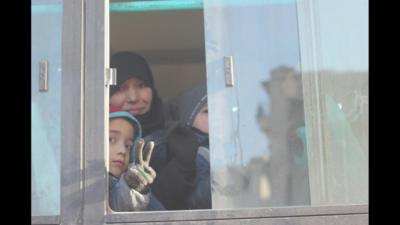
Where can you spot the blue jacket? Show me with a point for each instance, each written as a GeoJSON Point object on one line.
{"type": "Point", "coordinates": [200, 198]}
{"type": "Point", "coordinates": [123, 198]}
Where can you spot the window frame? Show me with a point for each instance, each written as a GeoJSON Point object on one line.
{"type": "Point", "coordinates": [71, 118]}
{"type": "Point", "coordinates": [85, 125]}
{"type": "Point", "coordinates": [292, 213]}
{"type": "Point", "coordinates": [45, 220]}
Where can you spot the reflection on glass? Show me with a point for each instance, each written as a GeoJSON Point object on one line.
{"type": "Point", "coordinates": [282, 136]}
{"type": "Point", "coordinates": [257, 154]}
{"type": "Point", "coordinates": [343, 143]}
{"type": "Point", "coordinates": [284, 126]}
{"type": "Point", "coordinates": [45, 110]}
{"type": "Point", "coordinates": [335, 87]}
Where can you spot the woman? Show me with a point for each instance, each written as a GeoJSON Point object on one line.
{"type": "Point", "coordinates": [175, 146]}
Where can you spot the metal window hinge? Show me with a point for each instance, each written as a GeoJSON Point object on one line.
{"type": "Point", "coordinates": [43, 75]}
{"type": "Point", "coordinates": [228, 71]}
{"type": "Point", "coordinates": [111, 76]}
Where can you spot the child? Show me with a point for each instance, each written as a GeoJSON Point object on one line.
{"type": "Point", "coordinates": [128, 184]}
{"type": "Point", "coordinates": [190, 108]}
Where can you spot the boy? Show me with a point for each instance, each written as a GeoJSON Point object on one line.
{"type": "Point", "coordinates": [128, 183]}
{"type": "Point", "coordinates": [191, 109]}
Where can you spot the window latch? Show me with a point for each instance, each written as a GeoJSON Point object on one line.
{"type": "Point", "coordinates": [43, 75]}
{"type": "Point", "coordinates": [111, 76]}
{"type": "Point", "coordinates": [228, 71]}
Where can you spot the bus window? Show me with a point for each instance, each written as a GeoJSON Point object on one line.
{"type": "Point", "coordinates": [46, 102]}
{"type": "Point", "coordinates": [280, 133]}
{"type": "Point", "coordinates": [174, 50]}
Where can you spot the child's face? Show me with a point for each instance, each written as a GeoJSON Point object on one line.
{"type": "Point", "coordinates": [120, 141]}
{"type": "Point", "coordinates": [201, 120]}
{"type": "Point", "coordinates": [133, 96]}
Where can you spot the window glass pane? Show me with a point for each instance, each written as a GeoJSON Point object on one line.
{"type": "Point", "coordinates": [257, 157]}
{"type": "Point", "coordinates": [335, 72]}
{"type": "Point", "coordinates": [46, 22]}
{"type": "Point", "coordinates": [264, 129]}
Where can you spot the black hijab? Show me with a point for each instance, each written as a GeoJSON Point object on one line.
{"type": "Point", "coordinates": [130, 65]}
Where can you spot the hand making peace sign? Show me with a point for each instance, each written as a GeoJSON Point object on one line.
{"type": "Point", "coordinates": [139, 174]}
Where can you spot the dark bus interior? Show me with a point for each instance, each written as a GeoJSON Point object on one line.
{"type": "Point", "coordinates": [174, 50]}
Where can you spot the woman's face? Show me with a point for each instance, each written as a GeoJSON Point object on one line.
{"type": "Point", "coordinates": [201, 120]}
{"type": "Point", "coordinates": [133, 96]}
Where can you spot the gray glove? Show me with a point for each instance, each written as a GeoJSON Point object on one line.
{"type": "Point", "coordinates": [139, 174]}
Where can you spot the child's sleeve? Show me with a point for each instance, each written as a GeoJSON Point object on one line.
{"type": "Point", "coordinates": [200, 198]}
{"type": "Point", "coordinates": [123, 198]}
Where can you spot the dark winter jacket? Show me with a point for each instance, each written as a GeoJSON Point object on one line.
{"type": "Point", "coordinates": [184, 108]}
{"type": "Point", "coordinates": [174, 161]}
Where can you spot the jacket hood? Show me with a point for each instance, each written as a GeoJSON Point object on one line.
{"type": "Point", "coordinates": [186, 105]}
